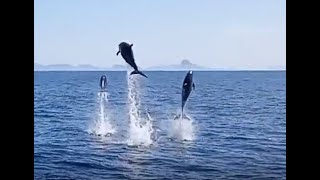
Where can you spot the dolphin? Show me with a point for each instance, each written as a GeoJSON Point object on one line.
{"type": "Point", "coordinates": [126, 52]}
{"type": "Point", "coordinates": [187, 87]}
{"type": "Point", "coordinates": [103, 82]}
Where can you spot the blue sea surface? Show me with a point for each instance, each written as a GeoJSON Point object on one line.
{"type": "Point", "coordinates": [238, 128]}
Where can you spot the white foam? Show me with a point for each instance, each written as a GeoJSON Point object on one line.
{"type": "Point", "coordinates": [101, 125]}
{"type": "Point", "coordinates": [182, 128]}
{"type": "Point", "coordinates": [140, 129]}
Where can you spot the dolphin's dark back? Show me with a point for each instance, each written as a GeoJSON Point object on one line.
{"type": "Point", "coordinates": [127, 54]}
{"type": "Point", "coordinates": [186, 89]}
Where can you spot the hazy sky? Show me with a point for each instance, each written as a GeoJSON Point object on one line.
{"type": "Point", "coordinates": [213, 33]}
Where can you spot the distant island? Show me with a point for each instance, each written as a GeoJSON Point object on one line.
{"type": "Point", "coordinates": [183, 66]}
{"type": "Point", "coordinates": [65, 67]}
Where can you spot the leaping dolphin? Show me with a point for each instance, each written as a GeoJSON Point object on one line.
{"type": "Point", "coordinates": [103, 82]}
{"type": "Point", "coordinates": [126, 52]}
{"type": "Point", "coordinates": [187, 87]}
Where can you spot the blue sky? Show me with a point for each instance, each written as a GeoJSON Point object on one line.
{"type": "Point", "coordinates": [212, 33]}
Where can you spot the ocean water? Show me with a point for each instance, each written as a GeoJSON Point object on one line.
{"type": "Point", "coordinates": [237, 126]}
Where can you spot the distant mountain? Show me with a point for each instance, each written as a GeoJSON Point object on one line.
{"type": "Point", "coordinates": [119, 67]}
{"type": "Point", "coordinates": [87, 66]}
{"type": "Point", "coordinates": [184, 65]}
{"type": "Point", "coordinates": [277, 67]}
{"type": "Point", "coordinates": [38, 66]}
{"type": "Point", "coordinates": [81, 67]}
{"type": "Point", "coordinates": [65, 67]}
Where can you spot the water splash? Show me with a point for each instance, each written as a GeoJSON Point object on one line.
{"type": "Point", "coordinates": [182, 128]}
{"type": "Point", "coordinates": [140, 129]}
{"type": "Point", "coordinates": [101, 125]}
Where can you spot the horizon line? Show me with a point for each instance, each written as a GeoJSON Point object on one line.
{"type": "Point", "coordinates": [205, 70]}
{"type": "Point", "coordinates": [155, 66]}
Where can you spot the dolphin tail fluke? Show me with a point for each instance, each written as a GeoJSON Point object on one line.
{"type": "Point", "coordinates": [138, 72]}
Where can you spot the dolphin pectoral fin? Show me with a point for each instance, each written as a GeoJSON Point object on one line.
{"type": "Point", "coordinates": [118, 52]}
{"type": "Point", "coordinates": [194, 87]}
